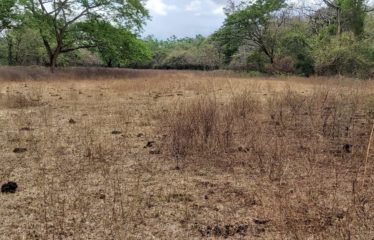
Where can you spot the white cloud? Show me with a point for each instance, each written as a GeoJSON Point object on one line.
{"type": "Point", "coordinates": [159, 7]}
{"type": "Point", "coordinates": [194, 6]}
{"type": "Point", "coordinates": [205, 7]}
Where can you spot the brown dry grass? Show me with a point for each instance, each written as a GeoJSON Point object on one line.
{"type": "Point", "coordinates": [227, 156]}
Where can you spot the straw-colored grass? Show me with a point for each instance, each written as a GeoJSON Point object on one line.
{"type": "Point", "coordinates": [132, 154]}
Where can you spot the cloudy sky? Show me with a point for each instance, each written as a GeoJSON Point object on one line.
{"type": "Point", "coordinates": [184, 18]}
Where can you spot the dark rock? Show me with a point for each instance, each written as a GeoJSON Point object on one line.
{"type": "Point", "coordinates": [242, 149]}
{"type": "Point", "coordinates": [140, 135]}
{"type": "Point", "coordinates": [348, 148]}
{"type": "Point", "coordinates": [155, 152]}
{"type": "Point", "coordinates": [149, 144]}
{"type": "Point", "coordinates": [25, 129]}
{"type": "Point", "coordinates": [261, 221]}
{"type": "Point", "coordinates": [10, 187]}
{"type": "Point", "coordinates": [102, 196]}
{"type": "Point", "coordinates": [72, 121]}
{"type": "Point", "coordinates": [116, 132]}
{"type": "Point", "coordinates": [20, 150]}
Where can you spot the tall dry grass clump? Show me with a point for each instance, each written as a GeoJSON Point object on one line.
{"type": "Point", "coordinates": [206, 126]}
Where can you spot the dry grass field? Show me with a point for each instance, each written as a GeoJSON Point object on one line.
{"type": "Point", "coordinates": [125, 154]}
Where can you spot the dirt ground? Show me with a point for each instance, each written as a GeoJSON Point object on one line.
{"type": "Point", "coordinates": [92, 163]}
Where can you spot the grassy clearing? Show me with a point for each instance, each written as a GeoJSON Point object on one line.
{"type": "Point", "coordinates": [186, 155]}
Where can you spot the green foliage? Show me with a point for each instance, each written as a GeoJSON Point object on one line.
{"type": "Point", "coordinates": [117, 46]}
{"type": "Point", "coordinates": [6, 13]}
{"type": "Point", "coordinates": [253, 24]}
{"type": "Point", "coordinates": [25, 47]}
{"type": "Point", "coordinates": [197, 53]}
{"type": "Point", "coordinates": [354, 14]}
{"type": "Point", "coordinates": [345, 55]}
{"type": "Point", "coordinates": [67, 26]}
{"type": "Point", "coordinates": [294, 43]}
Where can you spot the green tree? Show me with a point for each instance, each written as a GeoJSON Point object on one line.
{"type": "Point", "coordinates": [24, 46]}
{"type": "Point", "coordinates": [350, 15]}
{"type": "Point", "coordinates": [6, 13]}
{"type": "Point", "coordinates": [254, 24]}
{"type": "Point", "coordinates": [60, 21]}
{"type": "Point", "coordinates": [117, 46]}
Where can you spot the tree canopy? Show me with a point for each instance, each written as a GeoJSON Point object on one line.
{"type": "Point", "coordinates": [6, 13]}
{"type": "Point", "coordinates": [63, 24]}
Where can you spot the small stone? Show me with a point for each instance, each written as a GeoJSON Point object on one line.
{"type": "Point", "coordinates": [20, 150]}
{"type": "Point", "coordinates": [116, 132]}
{"type": "Point", "coordinates": [72, 121]}
{"type": "Point", "coordinates": [10, 187]}
{"type": "Point", "coordinates": [155, 152]}
{"type": "Point", "coordinates": [261, 221]}
{"type": "Point", "coordinates": [102, 196]}
{"type": "Point", "coordinates": [348, 148]}
{"type": "Point", "coordinates": [149, 144]}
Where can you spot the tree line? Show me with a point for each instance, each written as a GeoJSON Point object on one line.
{"type": "Point", "coordinates": [263, 36]}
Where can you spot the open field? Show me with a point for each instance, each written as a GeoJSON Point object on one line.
{"type": "Point", "coordinates": [185, 155]}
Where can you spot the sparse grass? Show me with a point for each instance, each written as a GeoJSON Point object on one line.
{"type": "Point", "coordinates": [194, 155]}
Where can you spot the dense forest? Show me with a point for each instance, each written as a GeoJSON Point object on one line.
{"type": "Point", "coordinates": [261, 36]}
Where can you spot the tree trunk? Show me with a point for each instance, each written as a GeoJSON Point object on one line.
{"type": "Point", "coordinates": [10, 50]}
{"type": "Point", "coordinates": [53, 62]}
{"type": "Point", "coordinates": [339, 30]}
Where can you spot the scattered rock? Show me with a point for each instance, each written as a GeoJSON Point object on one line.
{"type": "Point", "coordinates": [140, 135]}
{"type": "Point", "coordinates": [25, 129]}
{"type": "Point", "coordinates": [72, 121]}
{"type": "Point", "coordinates": [10, 187]}
{"type": "Point", "coordinates": [224, 231]}
{"type": "Point", "coordinates": [149, 144]}
{"type": "Point", "coordinates": [242, 149]}
{"type": "Point", "coordinates": [116, 132]}
{"type": "Point", "coordinates": [20, 150]}
{"type": "Point", "coordinates": [102, 196]}
{"type": "Point", "coordinates": [155, 152]}
{"type": "Point", "coordinates": [348, 148]}
{"type": "Point", "coordinates": [261, 221]}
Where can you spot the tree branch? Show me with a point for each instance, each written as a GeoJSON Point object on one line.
{"type": "Point", "coordinates": [77, 48]}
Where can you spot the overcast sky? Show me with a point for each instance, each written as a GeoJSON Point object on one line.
{"type": "Point", "coordinates": [184, 18]}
